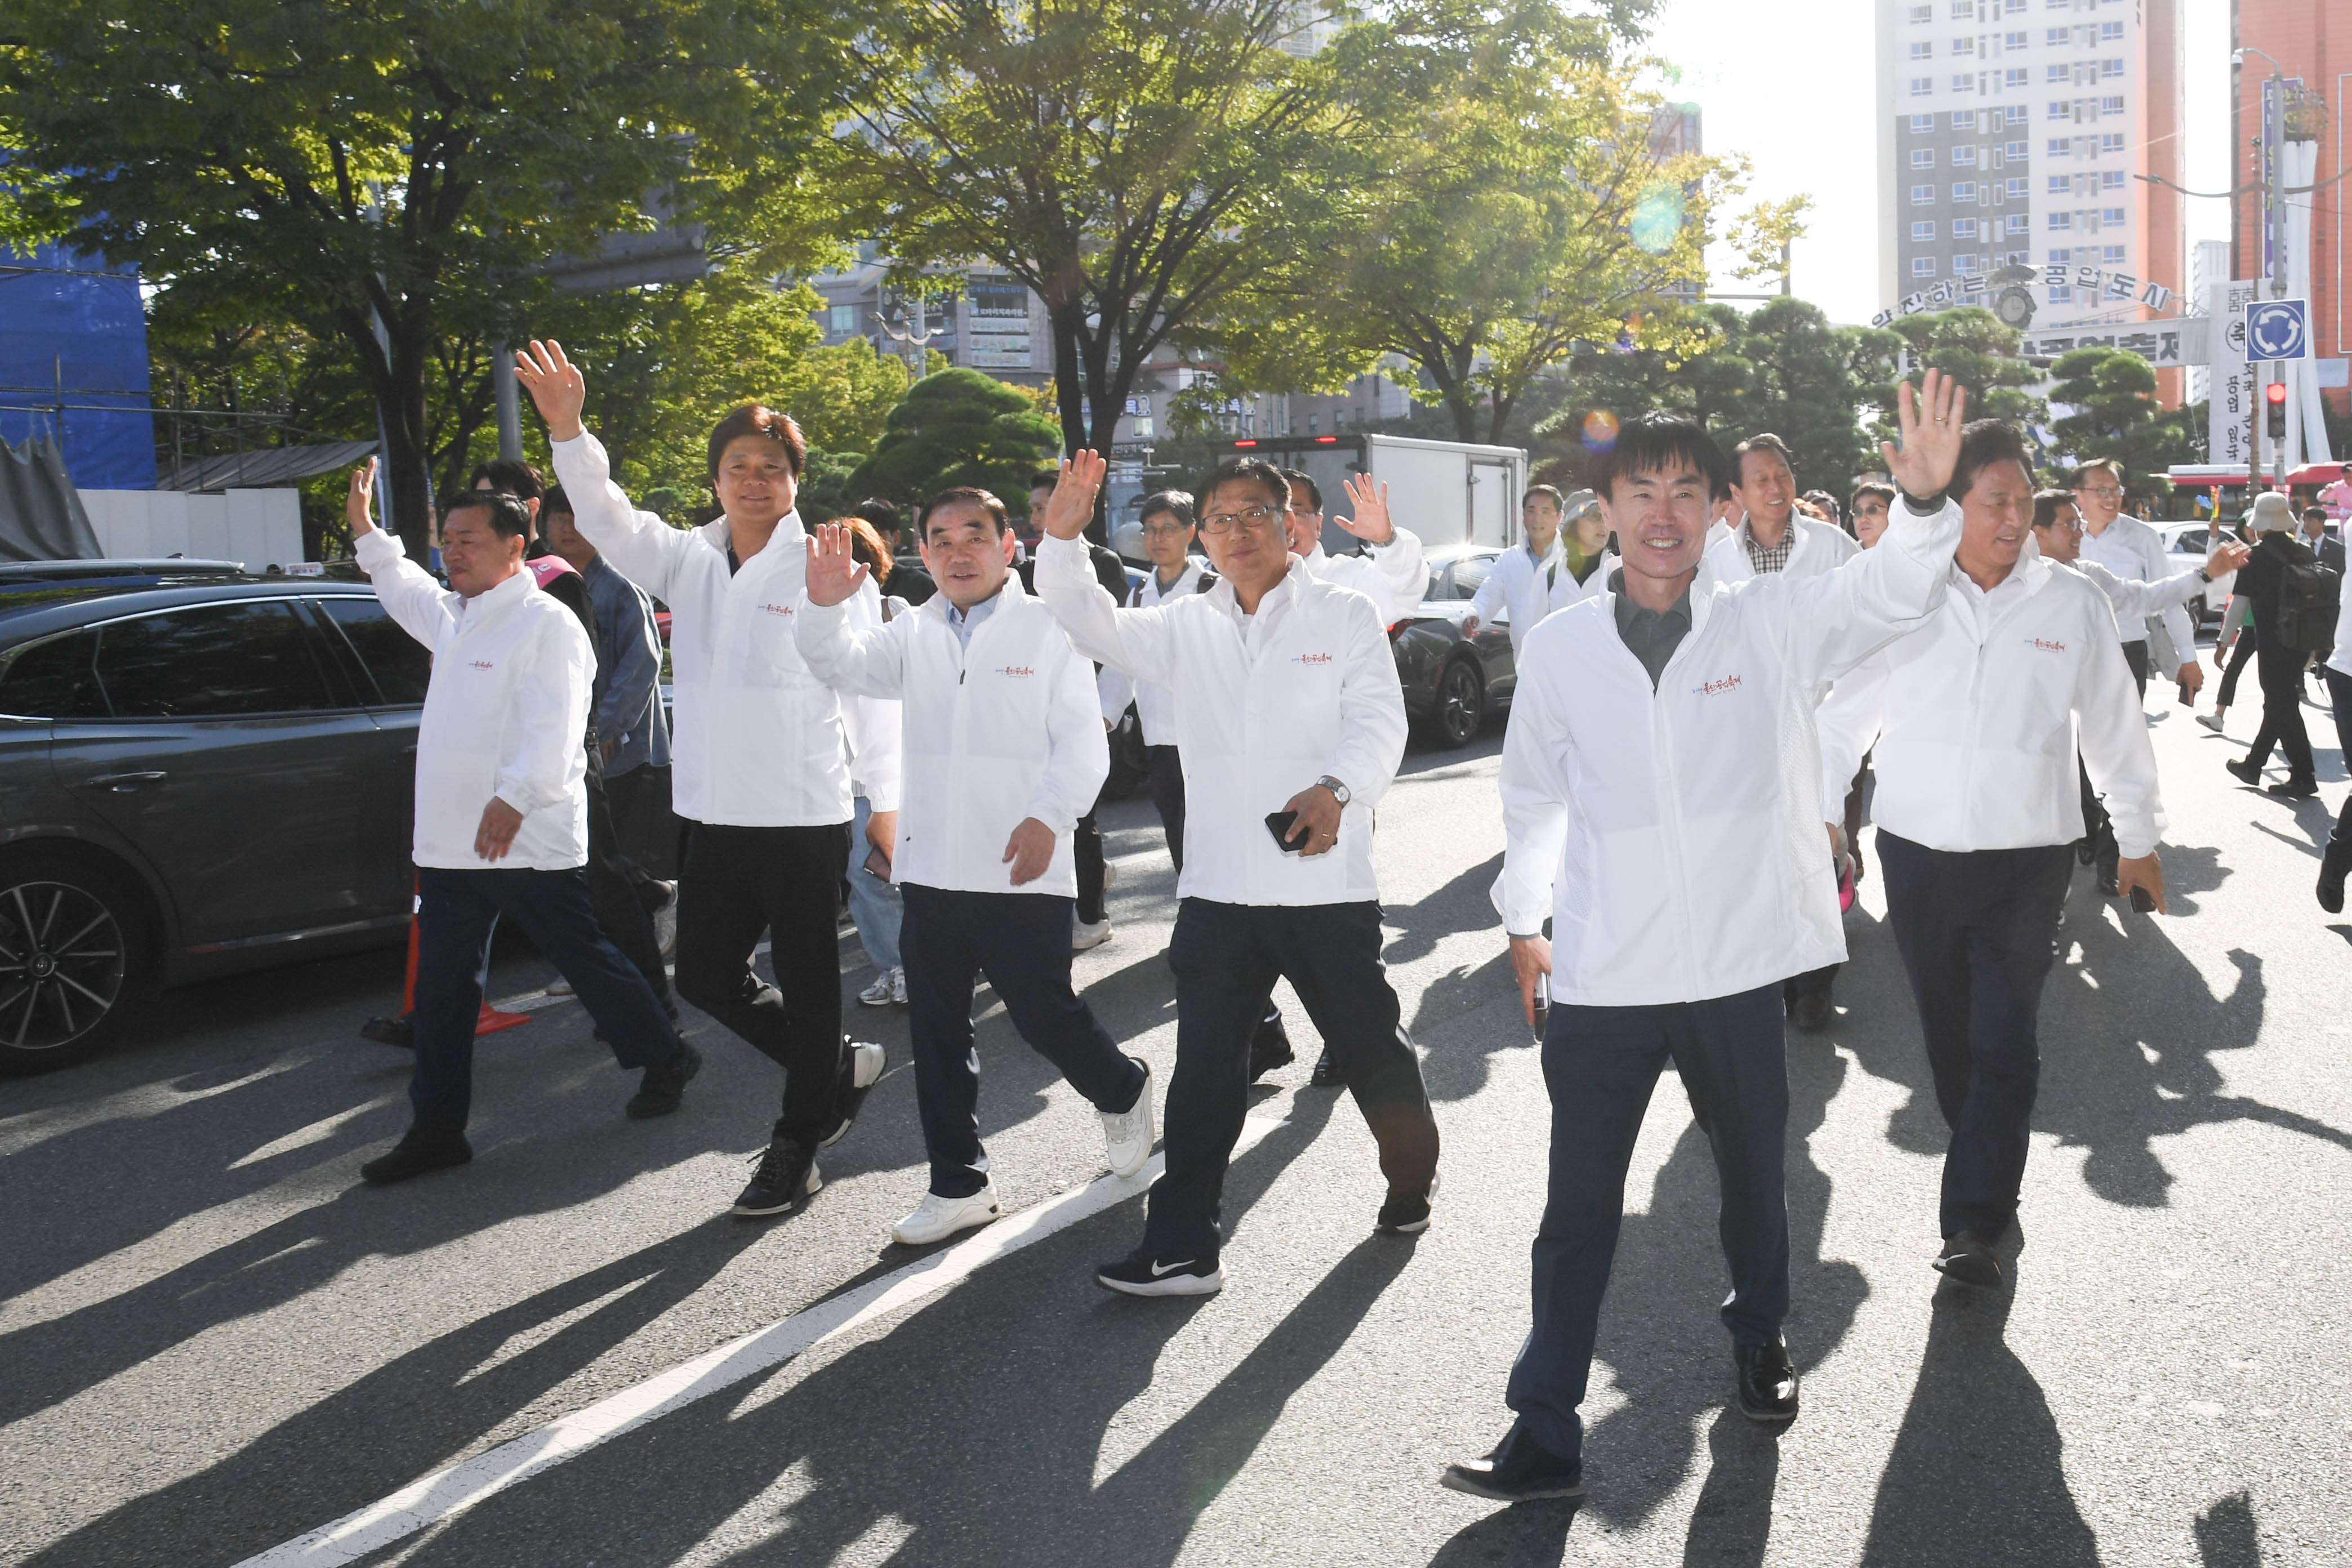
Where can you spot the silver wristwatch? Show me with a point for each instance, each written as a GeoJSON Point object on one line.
{"type": "Point", "coordinates": [1339, 791]}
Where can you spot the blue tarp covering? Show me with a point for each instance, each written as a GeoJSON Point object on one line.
{"type": "Point", "coordinates": [65, 318]}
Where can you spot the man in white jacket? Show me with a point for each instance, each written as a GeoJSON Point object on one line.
{"type": "Point", "coordinates": [1522, 578]}
{"type": "Point", "coordinates": [501, 814]}
{"type": "Point", "coordinates": [1973, 721]}
{"type": "Point", "coordinates": [1388, 571]}
{"type": "Point", "coordinates": [2130, 548]}
{"type": "Point", "coordinates": [1775, 536]}
{"type": "Point", "coordinates": [761, 760]}
{"type": "Point", "coordinates": [1661, 792]}
{"type": "Point", "coordinates": [1006, 752]}
{"type": "Point", "coordinates": [1290, 723]}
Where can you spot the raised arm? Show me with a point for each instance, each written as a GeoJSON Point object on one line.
{"type": "Point", "coordinates": [841, 649]}
{"type": "Point", "coordinates": [1141, 642]}
{"type": "Point", "coordinates": [1392, 572]}
{"type": "Point", "coordinates": [426, 610]}
{"type": "Point", "coordinates": [638, 544]}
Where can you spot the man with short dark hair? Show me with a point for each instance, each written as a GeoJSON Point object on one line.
{"type": "Point", "coordinates": [763, 757]}
{"type": "Point", "coordinates": [502, 813]}
{"type": "Point", "coordinates": [1866, 514]}
{"type": "Point", "coordinates": [2129, 548]}
{"type": "Point", "coordinates": [1776, 536]}
{"type": "Point", "coordinates": [1387, 565]}
{"type": "Point", "coordinates": [1659, 799]}
{"type": "Point", "coordinates": [1289, 714]}
{"type": "Point", "coordinates": [1521, 579]}
{"type": "Point", "coordinates": [1004, 751]}
{"type": "Point", "coordinates": [909, 580]}
{"type": "Point", "coordinates": [1168, 534]}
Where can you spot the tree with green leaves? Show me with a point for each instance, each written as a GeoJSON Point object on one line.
{"type": "Point", "coordinates": [1970, 344]}
{"type": "Point", "coordinates": [958, 427]}
{"type": "Point", "coordinates": [1108, 153]}
{"type": "Point", "coordinates": [2116, 412]}
{"type": "Point", "coordinates": [390, 175]}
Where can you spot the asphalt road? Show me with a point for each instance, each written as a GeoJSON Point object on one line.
{"type": "Point", "coordinates": [213, 1340]}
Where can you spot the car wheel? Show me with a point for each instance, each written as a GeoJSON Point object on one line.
{"type": "Point", "coordinates": [73, 960]}
{"type": "Point", "coordinates": [1460, 704]}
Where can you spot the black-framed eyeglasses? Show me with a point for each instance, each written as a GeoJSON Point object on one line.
{"type": "Point", "coordinates": [1221, 523]}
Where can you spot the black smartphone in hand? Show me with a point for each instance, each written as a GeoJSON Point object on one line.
{"type": "Point", "coordinates": [1279, 824]}
{"type": "Point", "coordinates": [2143, 900]}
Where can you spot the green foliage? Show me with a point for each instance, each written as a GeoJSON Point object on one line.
{"type": "Point", "coordinates": [2116, 413]}
{"type": "Point", "coordinates": [1973, 344]}
{"type": "Point", "coordinates": [958, 427]}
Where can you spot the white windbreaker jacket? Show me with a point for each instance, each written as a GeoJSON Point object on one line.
{"type": "Point", "coordinates": [1973, 737]}
{"type": "Point", "coordinates": [1155, 705]}
{"type": "Point", "coordinates": [504, 713]}
{"type": "Point", "coordinates": [1674, 838]}
{"type": "Point", "coordinates": [1265, 704]}
{"type": "Point", "coordinates": [1000, 732]}
{"type": "Point", "coordinates": [2134, 552]}
{"type": "Point", "coordinates": [1523, 584]}
{"type": "Point", "coordinates": [758, 740]}
{"type": "Point", "coordinates": [1393, 576]}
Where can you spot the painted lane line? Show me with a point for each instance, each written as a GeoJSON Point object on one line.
{"type": "Point", "coordinates": [434, 1498]}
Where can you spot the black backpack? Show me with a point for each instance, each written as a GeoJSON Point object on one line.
{"type": "Point", "coordinates": [2310, 598]}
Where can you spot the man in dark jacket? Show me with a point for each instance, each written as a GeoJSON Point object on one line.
{"type": "Point", "coordinates": [2261, 581]}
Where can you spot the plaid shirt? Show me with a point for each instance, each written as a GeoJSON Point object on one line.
{"type": "Point", "coordinates": [1769, 557]}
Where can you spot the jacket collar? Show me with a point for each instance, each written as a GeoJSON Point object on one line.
{"type": "Point", "coordinates": [1296, 581]}
{"type": "Point", "coordinates": [937, 605]}
{"type": "Point", "coordinates": [497, 603]}
{"type": "Point", "coordinates": [789, 534]}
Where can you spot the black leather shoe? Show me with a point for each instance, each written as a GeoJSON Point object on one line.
{"type": "Point", "coordinates": [2245, 772]}
{"type": "Point", "coordinates": [1767, 1381]}
{"type": "Point", "coordinates": [2294, 789]}
{"type": "Point", "coordinates": [1520, 1469]}
{"type": "Point", "coordinates": [2110, 879]}
{"type": "Point", "coordinates": [1968, 1258]}
{"type": "Point", "coordinates": [1269, 1050]}
{"type": "Point", "coordinates": [663, 1088]}
{"type": "Point", "coordinates": [2084, 852]}
{"type": "Point", "coordinates": [1811, 1013]}
{"type": "Point", "coordinates": [416, 1153]}
{"type": "Point", "coordinates": [399, 1032]}
{"type": "Point", "coordinates": [2333, 865]}
{"type": "Point", "coordinates": [1326, 1073]}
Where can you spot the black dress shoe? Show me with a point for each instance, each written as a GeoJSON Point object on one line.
{"type": "Point", "coordinates": [2110, 882]}
{"type": "Point", "coordinates": [663, 1088]}
{"type": "Point", "coordinates": [1811, 1013]}
{"type": "Point", "coordinates": [2245, 772]}
{"type": "Point", "coordinates": [1269, 1050]}
{"type": "Point", "coordinates": [1968, 1258]}
{"type": "Point", "coordinates": [399, 1032]}
{"type": "Point", "coordinates": [2294, 789]}
{"type": "Point", "coordinates": [2332, 864]}
{"type": "Point", "coordinates": [2084, 851]}
{"type": "Point", "coordinates": [416, 1153]}
{"type": "Point", "coordinates": [1326, 1073]}
{"type": "Point", "coordinates": [1520, 1469]}
{"type": "Point", "coordinates": [1767, 1381]}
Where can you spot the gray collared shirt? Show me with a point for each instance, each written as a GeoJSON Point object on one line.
{"type": "Point", "coordinates": [1651, 636]}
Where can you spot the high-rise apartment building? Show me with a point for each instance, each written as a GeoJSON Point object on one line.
{"type": "Point", "coordinates": [2296, 34]}
{"type": "Point", "coordinates": [2011, 133]}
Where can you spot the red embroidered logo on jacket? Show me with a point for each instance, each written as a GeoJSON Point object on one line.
{"type": "Point", "coordinates": [2045, 644]}
{"type": "Point", "coordinates": [1015, 671]}
{"type": "Point", "coordinates": [777, 609]}
{"type": "Point", "coordinates": [1313, 659]}
{"type": "Point", "coordinates": [484, 664]}
{"type": "Point", "coordinates": [1715, 687]}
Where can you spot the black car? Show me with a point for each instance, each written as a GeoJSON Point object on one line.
{"type": "Point", "coordinates": [200, 772]}
{"type": "Point", "coordinates": [1453, 681]}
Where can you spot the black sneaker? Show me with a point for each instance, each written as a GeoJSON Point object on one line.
{"type": "Point", "coordinates": [1520, 1469]}
{"type": "Point", "coordinates": [416, 1153]}
{"type": "Point", "coordinates": [787, 1178]}
{"type": "Point", "coordinates": [2245, 772]}
{"type": "Point", "coordinates": [2333, 865]}
{"type": "Point", "coordinates": [663, 1088]}
{"type": "Point", "coordinates": [1269, 1050]}
{"type": "Point", "coordinates": [1968, 1258]}
{"type": "Point", "coordinates": [867, 1060]}
{"type": "Point", "coordinates": [1326, 1073]}
{"type": "Point", "coordinates": [2294, 789]}
{"type": "Point", "coordinates": [399, 1032]}
{"type": "Point", "coordinates": [1406, 1213]}
{"type": "Point", "coordinates": [1142, 1273]}
{"type": "Point", "coordinates": [1767, 1381]}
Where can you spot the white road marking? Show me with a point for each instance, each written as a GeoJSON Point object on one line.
{"type": "Point", "coordinates": [434, 1498]}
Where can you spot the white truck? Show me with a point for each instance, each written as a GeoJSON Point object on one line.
{"type": "Point", "coordinates": [1446, 492]}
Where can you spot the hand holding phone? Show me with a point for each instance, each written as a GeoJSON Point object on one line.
{"type": "Point", "coordinates": [1279, 824]}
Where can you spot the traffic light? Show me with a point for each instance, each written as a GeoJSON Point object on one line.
{"type": "Point", "coordinates": [2276, 393]}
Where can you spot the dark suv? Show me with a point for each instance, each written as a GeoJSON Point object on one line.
{"type": "Point", "coordinates": [200, 772]}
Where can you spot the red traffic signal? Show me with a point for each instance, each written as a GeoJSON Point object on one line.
{"type": "Point", "coordinates": [2276, 391]}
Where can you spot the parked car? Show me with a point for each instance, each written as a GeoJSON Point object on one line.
{"type": "Point", "coordinates": [1453, 681]}
{"type": "Point", "coordinates": [201, 772]}
{"type": "Point", "coordinates": [2186, 545]}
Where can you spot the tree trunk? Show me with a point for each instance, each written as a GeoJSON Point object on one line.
{"type": "Point", "coordinates": [394, 369]}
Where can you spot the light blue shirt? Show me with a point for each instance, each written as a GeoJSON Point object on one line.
{"type": "Point", "coordinates": [963, 622]}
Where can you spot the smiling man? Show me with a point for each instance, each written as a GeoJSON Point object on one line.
{"type": "Point", "coordinates": [1660, 801]}
{"type": "Point", "coordinates": [1972, 722]}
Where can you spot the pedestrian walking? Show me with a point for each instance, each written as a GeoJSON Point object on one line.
{"type": "Point", "coordinates": [2278, 665]}
{"type": "Point", "coordinates": [1659, 795]}
{"type": "Point", "coordinates": [1973, 721]}
{"type": "Point", "coordinates": [1867, 513]}
{"type": "Point", "coordinates": [501, 814]}
{"type": "Point", "coordinates": [1290, 723]}
{"type": "Point", "coordinates": [2131, 549]}
{"type": "Point", "coordinates": [2336, 858]}
{"type": "Point", "coordinates": [1520, 584]}
{"type": "Point", "coordinates": [875, 905]}
{"type": "Point", "coordinates": [763, 754]}
{"type": "Point", "coordinates": [1004, 749]}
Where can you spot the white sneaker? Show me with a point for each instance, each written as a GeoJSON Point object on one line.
{"type": "Point", "coordinates": [1110, 873]}
{"type": "Point", "coordinates": [899, 987]}
{"type": "Point", "coordinates": [2211, 721]}
{"type": "Point", "coordinates": [1084, 934]}
{"type": "Point", "coordinates": [878, 994]}
{"type": "Point", "coordinates": [558, 986]}
{"type": "Point", "coordinates": [666, 925]}
{"type": "Point", "coordinates": [1128, 1132]}
{"type": "Point", "coordinates": [937, 1218]}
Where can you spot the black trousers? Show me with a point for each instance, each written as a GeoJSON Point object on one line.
{"type": "Point", "coordinates": [454, 913]}
{"type": "Point", "coordinates": [625, 917]}
{"type": "Point", "coordinates": [737, 883]}
{"type": "Point", "coordinates": [2339, 695]}
{"type": "Point", "coordinates": [643, 827]}
{"type": "Point", "coordinates": [1022, 942]}
{"type": "Point", "coordinates": [1975, 930]}
{"type": "Point", "coordinates": [1087, 859]}
{"type": "Point", "coordinates": [2281, 672]}
{"type": "Point", "coordinates": [1226, 958]}
{"type": "Point", "coordinates": [2135, 655]}
{"type": "Point", "coordinates": [2097, 826]}
{"type": "Point", "coordinates": [1168, 794]}
{"type": "Point", "coordinates": [2240, 652]}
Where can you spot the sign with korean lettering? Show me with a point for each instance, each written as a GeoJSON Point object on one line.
{"type": "Point", "coordinates": [2086, 287]}
{"type": "Point", "coordinates": [2158, 343]}
{"type": "Point", "coordinates": [2231, 397]}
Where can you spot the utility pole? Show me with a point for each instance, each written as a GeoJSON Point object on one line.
{"type": "Point", "coordinates": [2271, 172]}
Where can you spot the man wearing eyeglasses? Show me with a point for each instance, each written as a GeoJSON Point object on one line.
{"type": "Point", "coordinates": [1388, 571]}
{"type": "Point", "coordinates": [2131, 549]}
{"type": "Point", "coordinates": [1290, 724]}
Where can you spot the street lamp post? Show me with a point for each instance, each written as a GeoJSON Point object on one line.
{"type": "Point", "coordinates": [2273, 175]}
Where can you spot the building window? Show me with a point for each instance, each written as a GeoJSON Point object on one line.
{"type": "Point", "coordinates": [1923, 267]}
{"type": "Point", "coordinates": [1921, 14]}
{"type": "Point", "coordinates": [2112, 214]}
{"type": "Point", "coordinates": [1923, 158]}
{"type": "Point", "coordinates": [2060, 147]}
{"type": "Point", "coordinates": [2061, 258]}
{"type": "Point", "coordinates": [1963, 47]}
{"type": "Point", "coordinates": [2061, 185]}
{"type": "Point", "coordinates": [2061, 294]}
{"type": "Point", "coordinates": [1964, 228]}
{"type": "Point", "coordinates": [1922, 51]}
{"type": "Point", "coordinates": [2013, 41]}
{"type": "Point", "coordinates": [2059, 74]}
{"type": "Point", "coordinates": [2111, 69]}
{"type": "Point", "coordinates": [1965, 263]}
{"type": "Point", "coordinates": [2018, 223]}
{"type": "Point", "coordinates": [2110, 142]}
{"type": "Point", "coordinates": [2014, 189]}
{"type": "Point", "coordinates": [1964, 190]}
{"type": "Point", "coordinates": [2111, 105]}
{"type": "Point", "coordinates": [2015, 150]}
{"type": "Point", "coordinates": [2113, 255]}
{"type": "Point", "coordinates": [1964, 120]}
{"type": "Point", "coordinates": [2058, 110]}
{"type": "Point", "coordinates": [1964, 10]}
{"type": "Point", "coordinates": [1964, 157]}
{"type": "Point", "coordinates": [1922, 123]}
{"type": "Point", "coordinates": [2111, 179]}
{"type": "Point", "coordinates": [1967, 83]}
{"type": "Point", "coordinates": [1923, 195]}
{"type": "Point", "coordinates": [1923, 233]}
{"type": "Point", "coordinates": [2058, 38]}
{"type": "Point", "coordinates": [2061, 223]}
{"type": "Point", "coordinates": [2014, 77]}
{"type": "Point", "coordinates": [2111, 32]}
{"type": "Point", "coordinates": [844, 319]}
{"type": "Point", "coordinates": [1923, 87]}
